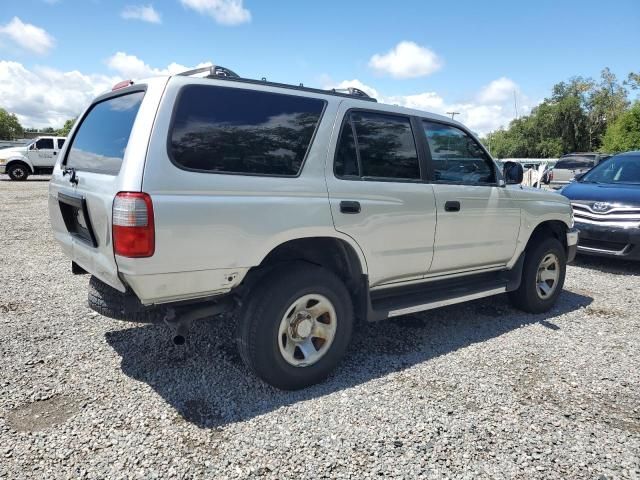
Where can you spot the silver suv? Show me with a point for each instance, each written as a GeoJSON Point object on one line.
{"type": "Point", "coordinates": [298, 210]}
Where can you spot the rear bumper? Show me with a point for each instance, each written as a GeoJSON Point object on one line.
{"type": "Point", "coordinates": [609, 241]}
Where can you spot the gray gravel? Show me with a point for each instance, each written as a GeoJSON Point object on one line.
{"type": "Point", "coordinates": [476, 390]}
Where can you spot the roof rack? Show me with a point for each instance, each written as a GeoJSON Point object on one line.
{"type": "Point", "coordinates": [221, 73]}
{"type": "Point", "coordinates": [214, 72]}
{"type": "Point", "coordinates": [356, 92]}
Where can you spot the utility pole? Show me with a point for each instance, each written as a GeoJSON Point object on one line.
{"type": "Point", "coordinates": [453, 114]}
{"type": "Point", "coordinates": [515, 103]}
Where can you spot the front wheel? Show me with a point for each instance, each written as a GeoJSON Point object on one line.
{"type": "Point", "coordinates": [295, 326]}
{"type": "Point", "coordinates": [545, 266]}
{"type": "Point", "coordinates": [18, 171]}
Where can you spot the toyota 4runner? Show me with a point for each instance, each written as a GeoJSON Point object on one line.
{"type": "Point", "coordinates": [297, 210]}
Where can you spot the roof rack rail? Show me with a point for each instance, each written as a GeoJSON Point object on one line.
{"type": "Point", "coordinates": [214, 71]}
{"type": "Point", "coordinates": [356, 92]}
{"type": "Point", "coordinates": [222, 73]}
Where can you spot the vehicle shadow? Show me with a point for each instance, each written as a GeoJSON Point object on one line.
{"type": "Point", "coordinates": [208, 385]}
{"type": "Point", "coordinates": [608, 265]}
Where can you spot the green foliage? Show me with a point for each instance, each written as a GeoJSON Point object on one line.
{"type": "Point", "coordinates": [68, 125]}
{"type": "Point", "coordinates": [624, 133]}
{"type": "Point", "coordinates": [574, 118]}
{"type": "Point", "coordinates": [10, 127]}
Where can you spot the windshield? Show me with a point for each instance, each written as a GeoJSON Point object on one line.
{"type": "Point", "coordinates": [618, 169]}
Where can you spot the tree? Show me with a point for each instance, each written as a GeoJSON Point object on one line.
{"type": "Point", "coordinates": [624, 134]}
{"type": "Point", "coordinates": [633, 80]}
{"type": "Point", "coordinates": [68, 125]}
{"type": "Point", "coordinates": [10, 127]}
{"type": "Point", "coordinates": [605, 102]}
{"type": "Point", "coordinates": [573, 118]}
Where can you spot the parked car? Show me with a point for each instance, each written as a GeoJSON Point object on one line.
{"type": "Point", "coordinates": [606, 206]}
{"type": "Point", "coordinates": [572, 164]}
{"type": "Point", "coordinates": [36, 158]}
{"type": "Point", "coordinates": [297, 209]}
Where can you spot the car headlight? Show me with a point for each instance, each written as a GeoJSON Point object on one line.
{"type": "Point", "coordinates": [3, 161]}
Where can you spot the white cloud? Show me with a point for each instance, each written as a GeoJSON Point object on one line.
{"type": "Point", "coordinates": [406, 60]}
{"type": "Point", "coordinates": [27, 36]}
{"type": "Point", "coordinates": [498, 91]}
{"type": "Point", "coordinates": [146, 13]}
{"type": "Point", "coordinates": [46, 97]}
{"type": "Point", "coordinates": [130, 66]}
{"type": "Point", "coordinates": [491, 108]}
{"type": "Point", "coordinates": [225, 12]}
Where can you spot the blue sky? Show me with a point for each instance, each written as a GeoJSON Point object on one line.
{"type": "Point", "coordinates": [465, 55]}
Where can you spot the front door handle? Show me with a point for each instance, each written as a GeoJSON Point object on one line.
{"type": "Point", "coordinates": [349, 207]}
{"type": "Point", "coordinates": [452, 206]}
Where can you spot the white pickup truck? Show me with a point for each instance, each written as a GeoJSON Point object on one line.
{"type": "Point", "coordinates": [36, 158]}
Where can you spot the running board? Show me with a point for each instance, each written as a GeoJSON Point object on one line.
{"type": "Point", "coordinates": [398, 301]}
{"type": "Point", "coordinates": [443, 303]}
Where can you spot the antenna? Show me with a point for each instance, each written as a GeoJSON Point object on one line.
{"type": "Point", "coordinates": [453, 114]}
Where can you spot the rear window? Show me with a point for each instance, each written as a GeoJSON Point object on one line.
{"type": "Point", "coordinates": [232, 130]}
{"type": "Point", "coordinates": [563, 164]}
{"type": "Point", "coordinates": [99, 144]}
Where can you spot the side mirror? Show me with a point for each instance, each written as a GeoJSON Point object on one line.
{"type": "Point", "coordinates": [579, 176]}
{"type": "Point", "coordinates": [513, 173]}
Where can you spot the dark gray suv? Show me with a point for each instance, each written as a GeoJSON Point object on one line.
{"type": "Point", "coordinates": [572, 164]}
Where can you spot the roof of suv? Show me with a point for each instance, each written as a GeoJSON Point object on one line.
{"type": "Point", "coordinates": [220, 73]}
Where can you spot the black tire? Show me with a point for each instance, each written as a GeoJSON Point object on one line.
{"type": "Point", "coordinates": [18, 171]}
{"type": "Point", "coordinates": [526, 297]}
{"type": "Point", "coordinates": [265, 306]}
{"type": "Point", "coordinates": [112, 303]}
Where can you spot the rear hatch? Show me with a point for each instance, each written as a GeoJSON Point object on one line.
{"type": "Point", "coordinates": [105, 155]}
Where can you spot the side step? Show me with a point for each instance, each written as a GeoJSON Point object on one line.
{"type": "Point", "coordinates": [394, 302]}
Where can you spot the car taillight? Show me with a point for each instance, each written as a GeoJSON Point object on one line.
{"type": "Point", "coordinates": [133, 228]}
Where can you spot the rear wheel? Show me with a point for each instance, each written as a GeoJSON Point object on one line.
{"type": "Point", "coordinates": [543, 276]}
{"type": "Point", "coordinates": [18, 171]}
{"type": "Point", "coordinates": [295, 326]}
{"type": "Point", "coordinates": [112, 303]}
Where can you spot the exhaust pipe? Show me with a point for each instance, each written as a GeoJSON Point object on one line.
{"type": "Point", "coordinates": [180, 322]}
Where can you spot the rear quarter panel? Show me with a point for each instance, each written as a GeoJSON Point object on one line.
{"type": "Point", "coordinates": [211, 228]}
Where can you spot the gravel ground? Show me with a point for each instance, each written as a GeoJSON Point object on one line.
{"type": "Point", "coordinates": [476, 390]}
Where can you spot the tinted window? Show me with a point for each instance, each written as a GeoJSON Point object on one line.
{"type": "Point", "coordinates": [564, 164]}
{"type": "Point", "coordinates": [45, 144]}
{"type": "Point", "coordinates": [456, 157]}
{"type": "Point", "coordinates": [583, 162]}
{"type": "Point", "coordinates": [60, 143]}
{"type": "Point", "coordinates": [220, 129]}
{"type": "Point", "coordinates": [102, 138]}
{"type": "Point", "coordinates": [346, 163]}
{"type": "Point", "coordinates": [386, 146]}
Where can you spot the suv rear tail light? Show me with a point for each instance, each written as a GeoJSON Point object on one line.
{"type": "Point", "coordinates": [133, 228]}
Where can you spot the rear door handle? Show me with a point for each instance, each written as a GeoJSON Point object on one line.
{"type": "Point", "coordinates": [349, 207]}
{"type": "Point", "coordinates": [452, 206]}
